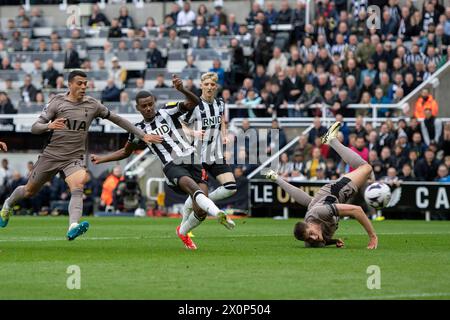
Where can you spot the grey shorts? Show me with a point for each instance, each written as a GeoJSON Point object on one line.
{"type": "Point", "coordinates": [46, 168]}
{"type": "Point", "coordinates": [339, 191]}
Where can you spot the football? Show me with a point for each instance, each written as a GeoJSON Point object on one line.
{"type": "Point", "coordinates": [377, 195]}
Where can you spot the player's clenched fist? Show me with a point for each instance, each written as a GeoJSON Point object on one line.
{"type": "Point", "coordinates": [177, 82]}
{"type": "Point", "coordinates": [57, 124]}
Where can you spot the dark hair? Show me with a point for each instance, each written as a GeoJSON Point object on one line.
{"type": "Point", "coordinates": [76, 73]}
{"type": "Point", "coordinates": [300, 231]}
{"type": "Point", "coordinates": [142, 95]}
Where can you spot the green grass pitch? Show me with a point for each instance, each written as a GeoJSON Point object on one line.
{"type": "Point", "coordinates": [141, 258]}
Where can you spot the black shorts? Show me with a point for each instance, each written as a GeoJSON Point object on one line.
{"type": "Point", "coordinates": [174, 172]}
{"type": "Point", "coordinates": [216, 169]}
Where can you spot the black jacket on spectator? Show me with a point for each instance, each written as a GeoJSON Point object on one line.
{"type": "Point", "coordinates": [386, 140]}
{"type": "Point", "coordinates": [408, 89]}
{"type": "Point", "coordinates": [99, 18]}
{"type": "Point", "coordinates": [7, 108]}
{"type": "Point", "coordinates": [126, 22]}
{"type": "Point", "coordinates": [261, 50]}
{"type": "Point", "coordinates": [288, 85]}
{"type": "Point", "coordinates": [425, 171]}
{"type": "Point", "coordinates": [32, 92]}
{"type": "Point", "coordinates": [155, 59]}
{"type": "Point", "coordinates": [115, 32]}
{"type": "Point", "coordinates": [71, 60]}
{"type": "Point", "coordinates": [111, 94]}
{"type": "Point", "coordinates": [316, 133]}
{"type": "Point", "coordinates": [49, 76]}
{"type": "Point", "coordinates": [285, 17]}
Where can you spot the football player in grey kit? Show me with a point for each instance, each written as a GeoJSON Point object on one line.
{"type": "Point", "coordinates": [324, 210]}
{"type": "Point", "coordinates": [67, 117]}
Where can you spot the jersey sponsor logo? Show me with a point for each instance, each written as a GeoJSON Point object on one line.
{"type": "Point", "coordinates": [163, 129]}
{"type": "Point", "coordinates": [77, 125]}
{"type": "Point", "coordinates": [211, 121]}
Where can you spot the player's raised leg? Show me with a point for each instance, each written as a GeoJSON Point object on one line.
{"type": "Point", "coordinates": [76, 181]}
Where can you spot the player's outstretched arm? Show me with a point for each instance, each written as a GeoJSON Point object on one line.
{"type": "Point", "coordinates": [3, 146]}
{"type": "Point", "coordinates": [120, 154]}
{"type": "Point", "coordinates": [349, 210]}
{"type": "Point", "coordinates": [191, 99]}
{"type": "Point", "coordinates": [128, 126]}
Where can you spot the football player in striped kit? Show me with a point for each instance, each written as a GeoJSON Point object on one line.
{"type": "Point", "coordinates": [210, 135]}
{"type": "Point", "coordinates": [176, 154]}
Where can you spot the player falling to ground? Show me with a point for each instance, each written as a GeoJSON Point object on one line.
{"type": "Point", "coordinates": [324, 210]}
{"type": "Point", "coordinates": [176, 155]}
{"type": "Point", "coordinates": [67, 118]}
{"type": "Point", "coordinates": [210, 132]}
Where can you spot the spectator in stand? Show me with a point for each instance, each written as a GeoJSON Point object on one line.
{"type": "Point", "coordinates": [316, 162]}
{"type": "Point", "coordinates": [303, 147]}
{"type": "Point", "coordinates": [360, 148]}
{"type": "Point", "coordinates": [111, 93]}
{"type": "Point", "coordinates": [125, 21]}
{"type": "Point", "coordinates": [285, 15]}
{"type": "Point", "coordinates": [426, 168]}
{"type": "Point", "coordinates": [218, 18]}
{"type": "Point", "coordinates": [443, 175]}
{"type": "Point", "coordinates": [97, 18]}
{"type": "Point", "coordinates": [190, 63]}
{"type": "Point", "coordinates": [380, 98]}
{"type": "Point", "coordinates": [108, 187]}
{"type": "Point", "coordinates": [186, 17]}
{"type": "Point", "coordinates": [391, 179]}
{"type": "Point", "coordinates": [60, 85]}
{"type": "Point", "coordinates": [6, 107]}
{"type": "Point", "coordinates": [154, 56]}
{"type": "Point", "coordinates": [425, 101]}
{"type": "Point", "coordinates": [72, 58]}
{"type": "Point", "coordinates": [417, 145]}
{"type": "Point", "coordinates": [115, 31]}
{"type": "Point", "coordinates": [160, 82]}
{"type": "Point", "coordinates": [410, 83]}
{"type": "Point", "coordinates": [199, 30]}
{"type": "Point", "coordinates": [407, 173]}
{"type": "Point", "coordinates": [28, 91]}
{"type": "Point", "coordinates": [317, 131]}
{"type": "Point", "coordinates": [279, 60]}
{"type": "Point", "coordinates": [304, 106]}
{"type": "Point", "coordinates": [431, 128]}
{"type": "Point", "coordinates": [285, 166]}
{"type": "Point", "coordinates": [217, 68]}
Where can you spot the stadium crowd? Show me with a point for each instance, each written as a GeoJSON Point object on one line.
{"type": "Point", "coordinates": [333, 61]}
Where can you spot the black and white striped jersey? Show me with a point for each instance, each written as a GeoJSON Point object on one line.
{"type": "Point", "coordinates": [166, 123]}
{"type": "Point", "coordinates": [208, 117]}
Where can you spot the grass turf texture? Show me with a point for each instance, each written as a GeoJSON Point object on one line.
{"type": "Point", "coordinates": [130, 258]}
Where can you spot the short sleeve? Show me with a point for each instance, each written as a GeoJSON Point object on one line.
{"type": "Point", "coordinates": [173, 107]}
{"type": "Point", "coordinates": [135, 140]}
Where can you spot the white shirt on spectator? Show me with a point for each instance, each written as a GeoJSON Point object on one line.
{"type": "Point", "coordinates": [281, 61]}
{"type": "Point", "coordinates": [185, 18]}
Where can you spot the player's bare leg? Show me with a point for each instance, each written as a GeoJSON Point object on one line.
{"type": "Point", "coordinates": [76, 185]}
{"type": "Point", "coordinates": [349, 156]}
{"type": "Point", "coordinates": [298, 194]}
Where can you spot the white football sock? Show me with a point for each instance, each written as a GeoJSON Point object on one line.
{"type": "Point", "coordinates": [187, 209]}
{"type": "Point", "coordinates": [192, 222]}
{"type": "Point", "coordinates": [223, 192]}
{"type": "Point", "coordinates": [206, 204]}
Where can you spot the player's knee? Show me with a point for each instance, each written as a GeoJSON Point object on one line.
{"type": "Point", "coordinates": [230, 188]}
{"type": "Point", "coordinates": [29, 191]}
